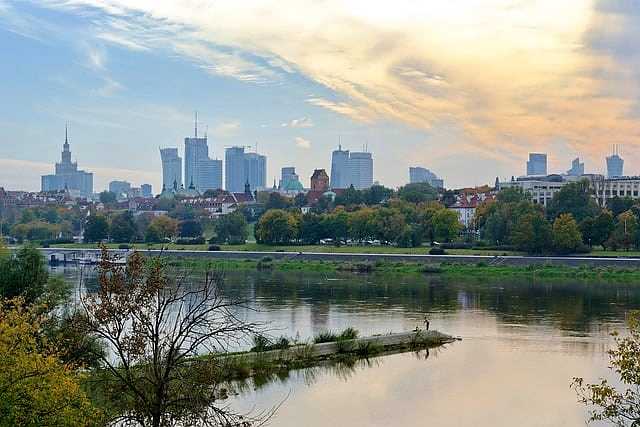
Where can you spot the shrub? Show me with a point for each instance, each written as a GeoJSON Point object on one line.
{"type": "Point", "coordinates": [437, 251]}
{"type": "Point", "coordinates": [349, 334]}
{"type": "Point", "coordinates": [124, 246]}
{"type": "Point", "coordinates": [213, 248]}
{"type": "Point", "coordinates": [325, 336]}
{"type": "Point", "coordinates": [196, 241]}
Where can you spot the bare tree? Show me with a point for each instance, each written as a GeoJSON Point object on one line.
{"type": "Point", "coordinates": [164, 335]}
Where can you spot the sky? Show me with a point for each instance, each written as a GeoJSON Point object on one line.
{"type": "Point", "coordinates": [465, 88]}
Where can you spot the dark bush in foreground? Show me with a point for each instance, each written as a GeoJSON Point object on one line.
{"type": "Point", "coordinates": [437, 251]}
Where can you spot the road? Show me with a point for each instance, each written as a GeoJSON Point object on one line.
{"type": "Point", "coordinates": [514, 260]}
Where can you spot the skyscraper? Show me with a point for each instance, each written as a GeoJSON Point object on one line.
{"type": "Point", "coordinates": [615, 164]}
{"type": "Point", "coordinates": [195, 151]}
{"type": "Point", "coordinates": [171, 168]}
{"type": "Point", "coordinates": [147, 190]}
{"type": "Point", "coordinates": [577, 168]}
{"type": "Point", "coordinates": [255, 170]}
{"type": "Point", "coordinates": [537, 164]}
{"type": "Point", "coordinates": [210, 175]}
{"type": "Point", "coordinates": [289, 180]}
{"type": "Point", "coordinates": [360, 167]}
{"type": "Point", "coordinates": [234, 176]}
{"type": "Point", "coordinates": [67, 176]}
{"type": "Point", "coordinates": [420, 174]}
{"type": "Point", "coordinates": [340, 168]}
{"type": "Point", "coordinates": [120, 188]}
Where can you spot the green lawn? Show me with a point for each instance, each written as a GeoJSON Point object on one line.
{"type": "Point", "coordinates": [255, 247]}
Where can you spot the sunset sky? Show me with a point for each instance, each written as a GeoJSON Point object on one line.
{"type": "Point", "coordinates": [466, 87]}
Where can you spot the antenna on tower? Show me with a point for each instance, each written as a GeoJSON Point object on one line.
{"type": "Point", "coordinates": [66, 138]}
{"type": "Point", "coordinates": [206, 130]}
{"type": "Point", "coordinates": [196, 125]}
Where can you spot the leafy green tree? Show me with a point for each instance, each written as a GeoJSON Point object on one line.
{"type": "Point", "coordinates": [603, 226]}
{"type": "Point", "coordinates": [161, 228]}
{"type": "Point", "coordinates": [618, 205]}
{"type": "Point", "coordinates": [388, 224]}
{"type": "Point", "coordinates": [276, 226]}
{"type": "Point", "coordinates": [617, 405]}
{"type": "Point", "coordinates": [376, 194]}
{"type": "Point", "coordinates": [36, 387]}
{"type": "Point", "coordinates": [96, 228]}
{"type": "Point", "coordinates": [24, 275]}
{"type": "Point", "coordinates": [418, 192]}
{"type": "Point", "coordinates": [336, 225]}
{"type": "Point", "coordinates": [108, 197]}
{"type": "Point", "coordinates": [277, 201]}
{"type": "Point", "coordinates": [532, 233]}
{"type": "Point", "coordinates": [575, 199]}
{"type": "Point", "coordinates": [361, 224]}
{"type": "Point", "coordinates": [190, 228]}
{"type": "Point", "coordinates": [123, 228]}
{"type": "Point", "coordinates": [446, 225]}
{"type": "Point", "coordinates": [230, 228]}
{"type": "Point", "coordinates": [349, 197]}
{"type": "Point", "coordinates": [566, 234]}
{"type": "Point", "coordinates": [625, 231]}
{"type": "Point", "coordinates": [312, 228]}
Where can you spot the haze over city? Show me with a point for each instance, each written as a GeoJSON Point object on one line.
{"type": "Point", "coordinates": [466, 88]}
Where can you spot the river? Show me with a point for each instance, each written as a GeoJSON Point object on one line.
{"type": "Point", "coordinates": [522, 343]}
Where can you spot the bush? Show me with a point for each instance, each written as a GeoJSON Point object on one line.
{"type": "Point", "coordinates": [213, 248]}
{"type": "Point", "coordinates": [124, 246]}
{"type": "Point", "coordinates": [196, 241]}
{"type": "Point", "coordinates": [437, 251]}
{"type": "Point", "coordinates": [349, 334]}
{"type": "Point", "coordinates": [456, 245]}
{"type": "Point", "coordinates": [325, 336]}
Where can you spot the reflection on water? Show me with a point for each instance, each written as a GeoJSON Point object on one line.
{"type": "Point", "coordinates": [523, 341]}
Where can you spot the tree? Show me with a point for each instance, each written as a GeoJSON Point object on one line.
{"type": "Point", "coordinates": [566, 234]}
{"type": "Point", "coordinates": [123, 228]}
{"type": "Point", "coordinates": [532, 233]}
{"type": "Point", "coordinates": [376, 194]}
{"type": "Point", "coordinates": [349, 197]}
{"type": "Point", "coordinates": [446, 225]}
{"type": "Point", "coordinates": [156, 325]}
{"type": "Point", "coordinates": [625, 231]}
{"type": "Point", "coordinates": [36, 388]}
{"type": "Point", "coordinates": [418, 192]}
{"type": "Point", "coordinates": [361, 224]}
{"type": "Point", "coordinates": [277, 201]}
{"type": "Point", "coordinates": [575, 199]}
{"type": "Point", "coordinates": [108, 197]}
{"type": "Point", "coordinates": [388, 224]}
{"type": "Point", "coordinates": [161, 228]}
{"type": "Point", "coordinates": [96, 228]}
{"type": "Point", "coordinates": [230, 228]}
{"type": "Point", "coordinates": [276, 226]}
{"type": "Point", "coordinates": [617, 205]}
{"type": "Point", "coordinates": [190, 228]}
{"type": "Point", "coordinates": [312, 228]}
{"type": "Point", "coordinates": [603, 226]}
{"type": "Point", "coordinates": [25, 275]}
{"type": "Point", "coordinates": [620, 407]}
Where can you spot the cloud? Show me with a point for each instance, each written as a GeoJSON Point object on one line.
{"type": "Point", "coordinates": [302, 143]}
{"type": "Point", "coordinates": [508, 77]}
{"type": "Point", "coordinates": [302, 122]}
{"type": "Point", "coordinates": [226, 129]}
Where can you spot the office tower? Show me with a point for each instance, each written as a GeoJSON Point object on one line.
{"type": "Point", "coordinates": [210, 175]}
{"type": "Point", "coordinates": [360, 167]}
{"type": "Point", "coordinates": [195, 151]}
{"type": "Point", "coordinates": [67, 176]}
{"type": "Point", "coordinates": [615, 164]}
{"type": "Point", "coordinates": [171, 168]}
{"type": "Point", "coordinates": [340, 168]}
{"type": "Point", "coordinates": [147, 191]}
{"type": "Point", "coordinates": [234, 176]}
{"type": "Point", "coordinates": [119, 188]}
{"type": "Point", "coordinates": [255, 170]}
{"type": "Point", "coordinates": [319, 181]}
{"type": "Point", "coordinates": [577, 168]}
{"type": "Point", "coordinates": [289, 180]}
{"type": "Point", "coordinates": [420, 174]}
{"type": "Point", "coordinates": [537, 164]}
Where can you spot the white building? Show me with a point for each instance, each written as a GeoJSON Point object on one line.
{"type": "Point", "coordinates": [608, 188]}
{"type": "Point", "coordinates": [360, 170]}
{"type": "Point", "coordinates": [540, 189]}
{"type": "Point", "coordinates": [171, 168]}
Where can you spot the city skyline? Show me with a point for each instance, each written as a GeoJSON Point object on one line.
{"type": "Point", "coordinates": [110, 67]}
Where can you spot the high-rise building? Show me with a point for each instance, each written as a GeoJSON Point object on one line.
{"type": "Point", "coordinates": [577, 168]}
{"type": "Point", "coordinates": [537, 164]}
{"type": "Point", "coordinates": [419, 174]}
{"type": "Point", "coordinates": [340, 177]}
{"type": "Point", "coordinates": [234, 176]}
{"type": "Point", "coordinates": [255, 170]}
{"type": "Point", "coordinates": [210, 175]}
{"type": "Point", "coordinates": [171, 168]}
{"type": "Point", "coordinates": [195, 151]}
{"type": "Point", "coordinates": [120, 188]}
{"type": "Point", "coordinates": [360, 170]}
{"type": "Point", "coordinates": [67, 175]}
{"type": "Point", "coordinates": [615, 164]}
{"type": "Point", "coordinates": [147, 190]}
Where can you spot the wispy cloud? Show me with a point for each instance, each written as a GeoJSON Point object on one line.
{"type": "Point", "coordinates": [302, 143]}
{"type": "Point", "coordinates": [302, 122]}
{"type": "Point", "coordinates": [226, 129]}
